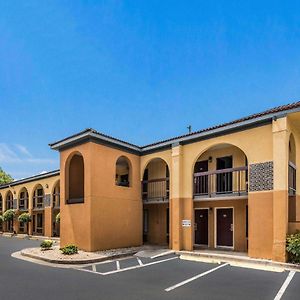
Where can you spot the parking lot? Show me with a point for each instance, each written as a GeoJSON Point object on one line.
{"type": "Point", "coordinates": [166, 277]}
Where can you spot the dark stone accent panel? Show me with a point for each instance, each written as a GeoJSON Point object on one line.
{"type": "Point", "coordinates": [15, 203]}
{"type": "Point", "coordinates": [261, 176]}
{"type": "Point", "coordinates": [47, 200]}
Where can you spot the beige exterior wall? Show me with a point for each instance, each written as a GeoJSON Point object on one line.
{"type": "Point", "coordinates": [48, 184]}
{"type": "Point", "coordinates": [111, 215]}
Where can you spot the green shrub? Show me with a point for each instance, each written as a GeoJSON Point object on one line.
{"type": "Point", "coordinates": [1, 219]}
{"type": "Point", "coordinates": [69, 249]}
{"type": "Point", "coordinates": [293, 247]}
{"type": "Point", "coordinates": [8, 215]}
{"type": "Point", "coordinates": [57, 218]}
{"type": "Point", "coordinates": [46, 244]}
{"type": "Point", "coordinates": [24, 218]}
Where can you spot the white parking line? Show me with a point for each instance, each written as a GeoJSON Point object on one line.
{"type": "Point", "coordinates": [194, 278]}
{"type": "Point", "coordinates": [126, 269]}
{"type": "Point", "coordinates": [118, 265]}
{"type": "Point", "coordinates": [94, 268]}
{"type": "Point", "coordinates": [139, 261]}
{"type": "Point", "coordinates": [285, 285]}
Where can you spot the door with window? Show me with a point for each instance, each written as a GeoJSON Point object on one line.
{"type": "Point", "coordinates": [145, 225]}
{"type": "Point", "coordinates": [224, 179]}
{"type": "Point", "coordinates": [201, 227]}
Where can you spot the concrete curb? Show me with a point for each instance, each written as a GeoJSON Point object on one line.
{"type": "Point", "coordinates": [79, 261]}
{"type": "Point", "coordinates": [233, 259]}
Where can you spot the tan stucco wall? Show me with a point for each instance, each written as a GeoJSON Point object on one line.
{"type": "Point", "coordinates": [48, 184]}
{"type": "Point", "coordinates": [111, 215]}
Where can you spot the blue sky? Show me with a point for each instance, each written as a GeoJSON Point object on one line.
{"type": "Point", "coordinates": [137, 70]}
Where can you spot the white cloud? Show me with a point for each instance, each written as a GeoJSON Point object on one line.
{"type": "Point", "coordinates": [23, 150]}
{"type": "Point", "coordinates": [16, 154]}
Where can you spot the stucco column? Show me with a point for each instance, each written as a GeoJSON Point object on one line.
{"type": "Point", "coordinates": [48, 213]}
{"type": "Point", "coordinates": [175, 200]}
{"type": "Point", "coordinates": [280, 191]}
{"type": "Point", "coordinates": [297, 141]}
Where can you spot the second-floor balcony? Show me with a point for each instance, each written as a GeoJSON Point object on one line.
{"type": "Point", "coordinates": [155, 190]}
{"type": "Point", "coordinates": [38, 202]}
{"type": "Point", "coordinates": [231, 182]}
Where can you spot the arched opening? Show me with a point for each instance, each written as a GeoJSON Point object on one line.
{"type": "Point", "coordinates": [23, 200]}
{"type": "Point", "coordinates": [9, 200]}
{"type": "Point", "coordinates": [219, 171]}
{"type": "Point", "coordinates": [220, 192]}
{"type": "Point", "coordinates": [292, 166]}
{"type": "Point", "coordinates": [23, 207]}
{"type": "Point", "coordinates": [75, 180]}
{"type": "Point", "coordinates": [9, 205]}
{"type": "Point", "coordinates": [293, 207]}
{"type": "Point", "coordinates": [123, 172]}
{"type": "Point", "coordinates": [56, 209]}
{"type": "Point", "coordinates": [38, 210]}
{"type": "Point", "coordinates": [155, 196]}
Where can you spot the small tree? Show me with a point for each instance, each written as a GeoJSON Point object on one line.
{"type": "Point", "coordinates": [4, 177]}
{"type": "Point", "coordinates": [8, 216]}
{"type": "Point", "coordinates": [1, 219]}
{"type": "Point", "coordinates": [25, 218]}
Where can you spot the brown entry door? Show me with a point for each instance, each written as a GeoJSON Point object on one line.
{"type": "Point", "coordinates": [201, 226]}
{"type": "Point", "coordinates": [225, 227]}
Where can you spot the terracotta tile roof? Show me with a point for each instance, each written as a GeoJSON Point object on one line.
{"type": "Point", "coordinates": [81, 134]}
{"type": "Point", "coordinates": [254, 116]}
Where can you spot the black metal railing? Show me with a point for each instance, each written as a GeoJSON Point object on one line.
{"type": "Point", "coordinates": [56, 201]}
{"type": "Point", "coordinates": [233, 181]}
{"type": "Point", "coordinates": [156, 190]}
{"type": "Point", "coordinates": [23, 203]}
{"type": "Point", "coordinates": [38, 202]}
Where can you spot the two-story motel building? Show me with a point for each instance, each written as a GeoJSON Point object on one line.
{"type": "Point", "coordinates": [234, 186]}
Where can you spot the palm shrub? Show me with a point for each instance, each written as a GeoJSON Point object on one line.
{"type": "Point", "coordinates": [1, 219]}
{"type": "Point", "coordinates": [57, 218]}
{"type": "Point", "coordinates": [293, 247]}
{"type": "Point", "coordinates": [25, 218]}
{"type": "Point", "coordinates": [69, 249]}
{"type": "Point", "coordinates": [8, 215]}
{"type": "Point", "coordinates": [46, 244]}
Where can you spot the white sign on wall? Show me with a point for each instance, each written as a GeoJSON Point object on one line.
{"type": "Point", "coordinates": [186, 223]}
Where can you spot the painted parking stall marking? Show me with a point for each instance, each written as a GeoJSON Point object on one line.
{"type": "Point", "coordinates": [116, 266]}
{"type": "Point", "coordinates": [285, 285]}
{"type": "Point", "coordinates": [173, 287]}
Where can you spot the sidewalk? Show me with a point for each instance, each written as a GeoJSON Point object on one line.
{"type": "Point", "coordinates": [239, 259]}
{"type": "Point", "coordinates": [29, 237]}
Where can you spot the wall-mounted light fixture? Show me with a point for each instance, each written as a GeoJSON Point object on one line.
{"type": "Point", "coordinates": [210, 159]}
{"type": "Point", "coordinates": [46, 185]}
